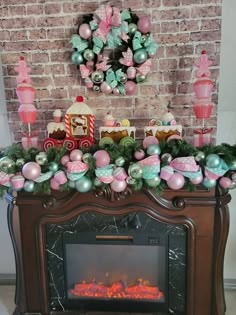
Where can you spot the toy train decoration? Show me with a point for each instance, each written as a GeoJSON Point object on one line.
{"type": "Point", "coordinates": [77, 131]}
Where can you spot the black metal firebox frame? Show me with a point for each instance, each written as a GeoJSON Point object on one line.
{"type": "Point", "coordinates": [134, 238]}
{"type": "Point", "coordinates": [135, 222]}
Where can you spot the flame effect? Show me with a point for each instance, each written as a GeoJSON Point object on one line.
{"type": "Point", "coordinates": [141, 290]}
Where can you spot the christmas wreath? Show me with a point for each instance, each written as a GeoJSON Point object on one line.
{"type": "Point", "coordinates": [174, 164]}
{"type": "Point", "coordinates": [131, 46]}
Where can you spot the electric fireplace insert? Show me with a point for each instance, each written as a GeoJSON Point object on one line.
{"type": "Point", "coordinates": [131, 263]}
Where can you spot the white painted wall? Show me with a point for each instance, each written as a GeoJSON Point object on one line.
{"type": "Point", "coordinates": [227, 116]}
{"type": "Point", "coordinates": [7, 262]}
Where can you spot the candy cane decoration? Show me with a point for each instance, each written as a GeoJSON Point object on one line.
{"type": "Point", "coordinates": [91, 126]}
{"type": "Point", "coordinates": [67, 125]}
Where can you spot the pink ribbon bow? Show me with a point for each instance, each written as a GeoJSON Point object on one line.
{"type": "Point", "coordinates": [106, 16]}
{"type": "Point", "coordinates": [128, 58]}
{"type": "Point", "coordinates": [185, 164]}
{"type": "Point", "coordinates": [200, 131]}
{"type": "Point", "coordinates": [102, 63]}
{"type": "Point", "coordinates": [145, 67]}
{"type": "Point", "coordinates": [86, 70]}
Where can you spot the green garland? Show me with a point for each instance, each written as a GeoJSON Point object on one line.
{"type": "Point", "coordinates": [176, 148]}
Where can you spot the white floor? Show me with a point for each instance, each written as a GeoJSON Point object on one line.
{"type": "Point", "coordinates": [7, 300]}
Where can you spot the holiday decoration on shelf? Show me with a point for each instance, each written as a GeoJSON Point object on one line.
{"type": "Point", "coordinates": [172, 164]}
{"type": "Point", "coordinates": [27, 111]}
{"type": "Point", "coordinates": [116, 131]}
{"type": "Point", "coordinates": [76, 131]}
{"type": "Point", "coordinates": [202, 104]}
{"type": "Point", "coordinates": [165, 128]}
{"type": "Point", "coordinates": [133, 44]}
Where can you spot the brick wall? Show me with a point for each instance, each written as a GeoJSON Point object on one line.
{"type": "Point", "coordinates": [40, 30]}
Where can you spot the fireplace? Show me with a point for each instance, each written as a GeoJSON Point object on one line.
{"type": "Point", "coordinates": [129, 263]}
{"type": "Point", "coordinates": [130, 252]}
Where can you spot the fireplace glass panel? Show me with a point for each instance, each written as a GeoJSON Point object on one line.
{"type": "Point", "coordinates": [114, 270]}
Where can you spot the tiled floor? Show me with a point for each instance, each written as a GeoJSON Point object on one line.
{"type": "Point", "coordinates": [7, 300]}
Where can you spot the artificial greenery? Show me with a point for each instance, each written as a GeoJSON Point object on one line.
{"type": "Point", "coordinates": [176, 148]}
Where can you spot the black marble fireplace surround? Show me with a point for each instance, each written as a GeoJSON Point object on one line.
{"type": "Point", "coordinates": [178, 240]}
{"type": "Point", "coordinates": [146, 232]}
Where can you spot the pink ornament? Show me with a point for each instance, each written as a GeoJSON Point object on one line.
{"type": "Point", "coordinates": [120, 173]}
{"type": "Point", "coordinates": [144, 24]}
{"type": "Point", "coordinates": [54, 184]}
{"type": "Point", "coordinates": [118, 185]}
{"type": "Point", "coordinates": [60, 177]}
{"type": "Point", "coordinates": [225, 182]}
{"type": "Point", "coordinates": [149, 140]}
{"type": "Point", "coordinates": [131, 72]}
{"type": "Point", "coordinates": [65, 159]}
{"type": "Point", "coordinates": [176, 181]}
{"type": "Point", "coordinates": [105, 88]}
{"type": "Point", "coordinates": [130, 88]}
{"type": "Point", "coordinates": [139, 155]}
{"type": "Point", "coordinates": [102, 158]}
{"type": "Point", "coordinates": [116, 91]}
{"type": "Point", "coordinates": [196, 180]}
{"type": "Point", "coordinates": [17, 182]}
{"type": "Point", "coordinates": [85, 31]}
{"type": "Point", "coordinates": [76, 155]}
{"type": "Point", "coordinates": [31, 170]}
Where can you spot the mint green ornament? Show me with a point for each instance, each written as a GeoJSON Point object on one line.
{"type": "Point", "coordinates": [53, 167]}
{"type": "Point", "coordinates": [140, 55]}
{"type": "Point", "coordinates": [135, 171]}
{"type": "Point", "coordinates": [120, 161]}
{"type": "Point", "coordinates": [140, 78]}
{"type": "Point", "coordinates": [208, 183]}
{"type": "Point", "coordinates": [71, 184]}
{"type": "Point", "coordinates": [132, 28]}
{"type": "Point", "coordinates": [83, 184]}
{"type": "Point", "coordinates": [88, 54]}
{"type": "Point", "coordinates": [213, 160]}
{"type": "Point", "coordinates": [153, 182]}
{"type": "Point", "coordinates": [77, 58]}
{"type": "Point", "coordinates": [232, 165]}
{"type": "Point", "coordinates": [29, 185]}
{"type": "Point", "coordinates": [97, 77]}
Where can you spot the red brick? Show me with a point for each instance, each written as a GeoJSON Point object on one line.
{"type": "Point", "coordinates": [61, 81]}
{"type": "Point", "coordinates": [52, 8]}
{"type": "Point", "coordinates": [58, 93]}
{"type": "Point", "coordinates": [4, 35]}
{"type": "Point", "coordinates": [209, 47]}
{"type": "Point", "coordinates": [180, 75]}
{"type": "Point", "coordinates": [42, 94]}
{"type": "Point", "coordinates": [151, 3]}
{"type": "Point", "coordinates": [71, 7]}
{"type": "Point", "coordinates": [172, 14]}
{"type": "Point", "coordinates": [75, 91]}
{"type": "Point", "coordinates": [186, 62]}
{"type": "Point", "coordinates": [206, 11]}
{"type": "Point", "coordinates": [8, 2]}
{"type": "Point", "coordinates": [35, 9]}
{"type": "Point", "coordinates": [40, 57]}
{"type": "Point", "coordinates": [211, 24]}
{"type": "Point", "coordinates": [179, 50]}
{"type": "Point", "coordinates": [206, 36]}
{"type": "Point", "coordinates": [171, 3]}
{"type": "Point", "coordinates": [54, 69]}
{"type": "Point", "coordinates": [64, 56]}
{"type": "Point", "coordinates": [134, 4]}
{"type": "Point", "coordinates": [53, 44]}
{"type": "Point", "coordinates": [88, 7]}
{"type": "Point", "coordinates": [19, 35]}
{"type": "Point", "coordinates": [169, 27]}
{"type": "Point", "coordinates": [174, 38]}
{"type": "Point", "coordinates": [168, 64]}
{"type": "Point", "coordinates": [189, 25]}
{"type": "Point", "coordinates": [56, 33]}
{"type": "Point", "coordinates": [20, 46]}
{"type": "Point", "coordinates": [4, 11]}
{"type": "Point", "coordinates": [185, 88]}
{"type": "Point", "coordinates": [182, 100]}
{"type": "Point", "coordinates": [148, 89]}
{"type": "Point", "coordinates": [118, 103]}
{"type": "Point", "coordinates": [167, 88]}
{"type": "Point", "coordinates": [37, 34]}
{"type": "Point", "coordinates": [17, 10]}
{"type": "Point", "coordinates": [18, 23]}
{"type": "Point", "coordinates": [41, 81]}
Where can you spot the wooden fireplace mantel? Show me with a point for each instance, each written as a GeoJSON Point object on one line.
{"type": "Point", "coordinates": [204, 213]}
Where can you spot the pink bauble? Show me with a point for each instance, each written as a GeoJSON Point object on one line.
{"type": "Point", "coordinates": [105, 88]}
{"type": "Point", "coordinates": [85, 31]}
{"type": "Point", "coordinates": [144, 24]}
{"type": "Point", "coordinates": [65, 159]}
{"type": "Point", "coordinates": [76, 155]}
{"type": "Point", "coordinates": [102, 158]}
{"type": "Point", "coordinates": [139, 155]}
{"type": "Point", "coordinates": [196, 180]}
{"type": "Point", "coordinates": [116, 91]}
{"type": "Point", "coordinates": [31, 170]}
{"type": "Point", "coordinates": [130, 88]}
{"type": "Point", "coordinates": [118, 185]}
{"type": "Point", "coordinates": [54, 184]}
{"type": "Point", "coordinates": [225, 182]}
{"type": "Point", "coordinates": [176, 181]}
